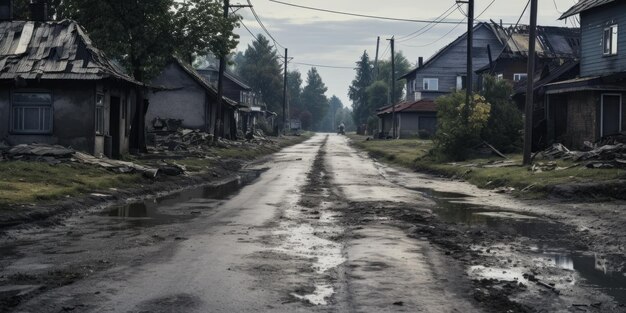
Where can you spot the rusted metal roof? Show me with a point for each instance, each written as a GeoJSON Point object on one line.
{"type": "Point", "coordinates": [59, 50]}
{"type": "Point", "coordinates": [424, 105]}
{"type": "Point", "coordinates": [584, 5]}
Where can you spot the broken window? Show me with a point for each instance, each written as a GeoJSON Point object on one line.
{"type": "Point", "coordinates": [610, 40]}
{"type": "Point", "coordinates": [431, 84]}
{"type": "Point", "coordinates": [461, 82]}
{"type": "Point", "coordinates": [100, 114]}
{"type": "Point", "coordinates": [31, 112]}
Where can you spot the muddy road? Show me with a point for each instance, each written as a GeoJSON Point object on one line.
{"type": "Point", "coordinates": [321, 227]}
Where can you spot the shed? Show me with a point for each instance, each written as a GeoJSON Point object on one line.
{"type": "Point", "coordinates": [412, 118]}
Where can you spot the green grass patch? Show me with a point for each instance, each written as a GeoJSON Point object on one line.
{"type": "Point", "coordinates": [25, 182]}
{"type": "Point", "coordinates": [414, 154]}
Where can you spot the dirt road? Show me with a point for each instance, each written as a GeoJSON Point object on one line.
{"type": "Point", "coordinates": [320, 227]}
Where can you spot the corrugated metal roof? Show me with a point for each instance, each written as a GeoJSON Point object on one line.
{"type": "Point", "coordinates": [584, 5]}
{"type": "Point", "coordinates": [54, 50]}
{"type": "Point", "coordinates": [563, 42]}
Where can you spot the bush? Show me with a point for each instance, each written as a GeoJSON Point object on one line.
{"type": "Point", "coordinates": [455, 136]}
{"type": "Point", "coordinates": [424, 134]}
{"type": "Point", "coordinates": [505, 126]}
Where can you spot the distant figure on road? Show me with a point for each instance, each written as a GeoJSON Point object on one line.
{"type": "Point", "coordinates": [342, 129]}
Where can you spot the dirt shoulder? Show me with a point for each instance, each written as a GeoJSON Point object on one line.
{"type": "Point", "coordinates": [35, 191]}
{"type": "Point", "coordinates": [560, 178]}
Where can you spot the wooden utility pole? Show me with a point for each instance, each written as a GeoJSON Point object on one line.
{"type": "Point", "coordinates": [469, 77]}
{"type": "Point", "coordinates": [530, 78]}
{"type": "Point", "coordinates": [219, 112]}
{"type": "Point", "coordinates": [285, 94]}
{"type": "Point", "coordinates": [393, 88]}
{"type": "Point", "coordinates": [376, 59]}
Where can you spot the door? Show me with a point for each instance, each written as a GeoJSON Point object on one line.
{"type": "Point", "coordinates": [114, 127]}
{"type": "Point", "coordinates": [611, 109]}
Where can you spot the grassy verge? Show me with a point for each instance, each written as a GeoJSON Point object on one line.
{"type": "Point", "coordinates": [24, 182]}
{"type": "Point", "coordinates": [413, 153]}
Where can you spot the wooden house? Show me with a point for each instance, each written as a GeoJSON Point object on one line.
{"type": "Point", "coordinates": [183, 94]}
{"type": "Point", "coordinates": [57, 88]}
{"type": "Point", "coordinates": [412, 118]}
{"type": "Point", "coordinates": [446, 71]}
{"type": "Point", "coordinates": [592, 106]}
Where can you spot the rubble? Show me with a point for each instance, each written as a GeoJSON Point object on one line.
{"type": "Point", "coordinates": [605, 156]}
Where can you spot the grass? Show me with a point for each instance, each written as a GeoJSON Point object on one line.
{"type": "Point", "coordinates": [27, 182]}
{"type": "Point", "coordinates": [413, 153]}
{"type": "Point", "coordinates": [23, 182]}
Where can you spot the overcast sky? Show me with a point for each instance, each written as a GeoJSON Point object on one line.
{"type": "Point", "coordinates": [338, 40]}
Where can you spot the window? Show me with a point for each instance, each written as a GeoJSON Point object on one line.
{"type": "Point", "coordinates": [31, 112]}
{"type": "Point", "coordinates": [519, 76]}
{"type": "Point", "coordinates": [100, 114]}
{"type": "Point", "coordinates": [500, 76]}
{"type": "Point", "coordinates": [431, 84]}
{"type": "Point", "coordinates": [610, 40]}
{"type": "Point", "coordinates": [461, 82]}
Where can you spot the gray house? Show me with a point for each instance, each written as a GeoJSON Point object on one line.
{"type": "Point", "coordinates": [57, 88]}
{"type": "Point", "coordinates": [446, 71]}
{"type": "Point", "coordinates": [183, 94]}
{"type": "Point", "coordinates": [412, 118]}
{"type": "Point", "coordinates": [592, 106]}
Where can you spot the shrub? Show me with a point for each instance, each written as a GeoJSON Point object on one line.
{"type": "Point", "coordinates": [505, 125]}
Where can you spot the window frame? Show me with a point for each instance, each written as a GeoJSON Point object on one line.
{"type": "Point", "coordinates": [424, 84]}
{"type": "Point", "coordinates": [49, 106]}
{"type": "Point", "coordinates": [99, 119]}
{"type": "Point", "coordinates": [621, 107]}
{"type": "Point", "coordinates": [612, 39]}
{"type": "Point", "coordinates": [461, 82]}
{"type": "Point", "coordinates": [521, 75]}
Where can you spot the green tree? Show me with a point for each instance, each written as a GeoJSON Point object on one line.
{"type": "Point", "coordinates": [377, 96]}
{"type": "Point", "coordinates": [344, 115]}
{"type": "Point", "coordinates": [357, 90]}
{"type": "Point", "coordinates": [505, 125]}
{"type": "Point", "coordinates": [384, 73]}
{"type": "Point", "coordinates": [260, 68]}
{"type": "Point", "coordinates": [294, 93]}
{"type": "Point", "coordinates": [314, 98]}
{"type": "Point", "coordinates": [330, 121]}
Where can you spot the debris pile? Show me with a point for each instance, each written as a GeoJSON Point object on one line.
{"type": "Point", "coordinates": [605, 156]}
{"type": "Point", "coordinates": [53, 154]}
{"type": "Point", "coordinates": [181, 140]}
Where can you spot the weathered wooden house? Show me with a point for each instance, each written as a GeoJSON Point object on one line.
{"type": "Point", "coordinates": [413, 118]}
{"type": "Point", "coordinates": [446, 71]}
{"type": "Point", "coordinates": [554, 46]}
{"type": "Point", "coordinates": [181, 93]}
{"type": "Point", "coordinates": [57, 88]}
{"type": "Point", "coordinates": [251, 108]}
{"type": "Point", "coordinates": [592, 106]}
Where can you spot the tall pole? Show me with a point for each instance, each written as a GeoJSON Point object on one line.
{"type": "Point", "coordinates": [285, 95]}
{"type": "Point", "coordinates": [219, 123]}
{"type": "Point", "coordinates": [376, 59]}
{"type": "Point", "coordinates": [530, 78]}
{"type": "Point", "coordinates": [469, 79]}
{"type": "Point", "coordinates": [393, 88]}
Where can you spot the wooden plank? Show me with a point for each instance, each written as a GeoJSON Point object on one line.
{"type": "Point", "coordinates": [27, 33]}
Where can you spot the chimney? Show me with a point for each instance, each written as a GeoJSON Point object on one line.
{"type": "Point", "coordinates": [39, 10]}
{"type": "Point", "coordinates": [6, 10]}
{"type": "Point", "coordinates": [420, 62]}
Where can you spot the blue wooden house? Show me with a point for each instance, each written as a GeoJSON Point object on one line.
{"type": "Point", "coordinates": [592, 106]}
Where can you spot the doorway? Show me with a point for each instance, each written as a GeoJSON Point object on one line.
{"type": "Point", "coordinates": [611, 114]}
{"type": "Point", "coordinates": [114, 126]}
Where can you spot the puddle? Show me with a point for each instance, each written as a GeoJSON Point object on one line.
{"type": "Point", "coordinates": [319, 295]}
{"type": "Point", "coordinates": [181, 205]}
{"type": "Point", "coordinates": [455, 208]}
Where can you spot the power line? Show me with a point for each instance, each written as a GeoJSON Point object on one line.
{"type": "Point", "coordinates": [360, 15]}
{"type": "Point", "coordinates": [427, 27]}
{"type": "Point", "coordinates": [256, 16]}
{"type": "Point", "coordinates": [486, 8]}
{"type": "Point", "coordinates": [437, 40]}
{"type": "Point", "coordinates": [324, 66]}
{"type": "Point", "coordinates": [435, 21]}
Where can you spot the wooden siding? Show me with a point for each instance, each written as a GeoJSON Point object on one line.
{"type": "Point", "coordinates": [593, 22]}
{"type": "Point", "coordinates": [453, 63]}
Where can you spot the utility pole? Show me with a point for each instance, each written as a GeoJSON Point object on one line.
{"type": "Point", "coordinates": [285, 94]}
{"type": "Point", "coordinates": [530, 78]}
{"type": "Point", "coordinates": [393, 88]}
{"type": "Point", "coordinates": [376, 59]}
{"type": "Point", "coordinates": [218, 130]}
{"type": "Point", "coordinates": [469, 80]}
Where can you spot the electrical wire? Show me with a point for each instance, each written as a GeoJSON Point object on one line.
{"type": "Point", "coordinates": [426, 28]}
{"type": "Point", "coordinates": [433, 22]}
{"type": "Point", "coordinates": [556, 7]}
{"type": "Point", "coordinates": [437, 40]}
{"type": "Point", "coordinates": [324, 66]}
{"type": "Point", "coordinates": [360, 15]}
{"type": "Point", "coordinates": [256, 16]}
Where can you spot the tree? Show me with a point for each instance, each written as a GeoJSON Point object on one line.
{"type": "Point", "coordinates": [143, 35]}
{"type": "Point", "coordinates": [505, 125]}
{"type": "Point", "coordinates": [294, 93]}
{"type": "Point", "coordinates": [357, 91]}
{"type": "Point", "coordinates": [384, 73]}
{"type": "Point", "coordinates": [377, 96]}
{"type": "Point", "coordinates": [260, 68]}
{"type": "Point", "coordinates": [314, 98]}
{"type": "Point", "coordinates": [330, 121]}
{"type": "Point", "coordinates": [344, 115]}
